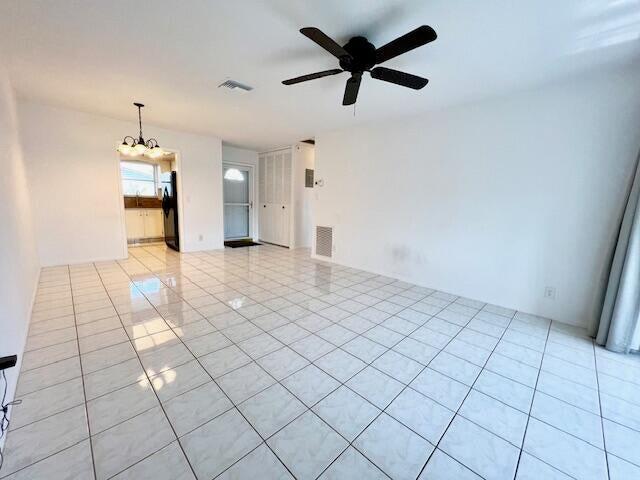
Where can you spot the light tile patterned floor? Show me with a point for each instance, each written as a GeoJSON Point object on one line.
{"type": "Point", "coordinates": [261, 363]}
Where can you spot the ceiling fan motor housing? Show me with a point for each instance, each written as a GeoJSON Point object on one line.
{"type": "Point", "coordinates": [363, 55]}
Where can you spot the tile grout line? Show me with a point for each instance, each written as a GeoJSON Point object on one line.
{"type": "Point", "coordinates": [239, 268]}
{"type": "Point", "coordinates": [405, 336]}
{"type": "Point", "coordinates": [465, 398]}
{"type": "Point", "coordinates": [150, 386]}
{"type": "Point", "coordinates": [84, 391]}
{"type": "Point", "coordinates": [604, 438]}
{"type": "Point", "coordinates": [234, 406]}
{"type": "Point", "coordinates": [383, 410]}
{"type": "Point", "coordinates": [370, 364]}
{"type": "Point", "coordinates": [76, 337]}
{"type": "Point", "coordinates": [3, 476]}
{"type": "Point", "coordinates": [533, 398]}
{"type": "Point", "coordinates": [307, 409]}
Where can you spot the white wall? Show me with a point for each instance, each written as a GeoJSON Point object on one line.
{"type": "Point", "coordinates": [73, 174]}
{"type": "Point", "coordinates": [493, 200]}
{"type": "Point", "coordinates": [242, 156]}
{"type": "Point", "coordinates": [238, 155]}
{"type": "Point", "coordinates": [303, 158]}
{"type": "Point", "coordinates": [19, 268]}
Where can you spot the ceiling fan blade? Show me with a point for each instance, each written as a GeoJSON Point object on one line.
{"type": "Point", "coordinates": [399, 78]}
{"type": "Point", "coordinates": [324, 41]}
{"type": "Point", "coordinates": [351, 90]}
{"type": "Point", "coordinates": [312, 76]}
{"type": "Point", "coordinates": [414, 39]}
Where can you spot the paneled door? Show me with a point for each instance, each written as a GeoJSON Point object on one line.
{"type": "Point", "coordinates": [275, 196]}
{"type": "Point", "coordinates": [237, 201]}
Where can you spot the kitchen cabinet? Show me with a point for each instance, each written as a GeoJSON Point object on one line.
{"type": "Point", "coordinates": [144, 223]}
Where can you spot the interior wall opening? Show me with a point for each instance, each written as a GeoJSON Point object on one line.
{"type": "Point", "coordinates": [149, 190]}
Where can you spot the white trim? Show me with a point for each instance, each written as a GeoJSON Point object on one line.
{"type": "Point", "coordinates": [123, 225]}
{"type": "Point", "coordinates": [178, 159]}
{"type": "Point", "coordinates": [273, 150]}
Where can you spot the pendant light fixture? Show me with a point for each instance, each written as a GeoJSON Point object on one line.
{"type": "Point", "coordinates": [131, 146]}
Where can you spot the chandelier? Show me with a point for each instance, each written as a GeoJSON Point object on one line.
{"type": "Point", "coordinates": [131, 146]}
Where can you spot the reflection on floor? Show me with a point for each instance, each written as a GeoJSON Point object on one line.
{"type": "Point", "coordinates": [261, 363]}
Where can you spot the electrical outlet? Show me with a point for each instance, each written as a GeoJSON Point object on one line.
{"type": "Point", "coordinates": [550, 293]}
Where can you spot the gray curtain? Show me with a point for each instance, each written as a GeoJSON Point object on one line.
{"type": "Point", "coordinates": [618, 328]}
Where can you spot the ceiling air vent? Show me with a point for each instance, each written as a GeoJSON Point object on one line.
{"type": "Point", "coordinates": [235, 86]}
{"type": "Point", "coordinates": [324, 241]}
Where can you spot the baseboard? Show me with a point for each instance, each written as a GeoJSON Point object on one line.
{"type": "Point", "coordinates": [142, 241]}
{"type": "Point", "coordinates": [413, 281]}
{"type": "Point", "coordinates": [86, 260]}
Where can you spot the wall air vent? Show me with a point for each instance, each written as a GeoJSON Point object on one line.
{"type": "Point", "coordinates": [235, 86]}
{"type": "Point", "coordinates": [324, 241]}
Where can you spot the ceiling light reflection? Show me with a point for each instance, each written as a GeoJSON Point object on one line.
{"type": "Point", "coordinates": [607, 23]}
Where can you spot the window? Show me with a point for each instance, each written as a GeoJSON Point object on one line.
{"type": "Point", "coordinates": [138, 178]}
{"type": "Point", "coordinates": [143, 179]}
{"type": "Point", "coordinates": [165, 181]}
{"type": "Point", "coordinates": [234, 175]}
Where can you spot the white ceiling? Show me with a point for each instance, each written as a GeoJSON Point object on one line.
{"type": "Point", "coordinates": [99, 56]}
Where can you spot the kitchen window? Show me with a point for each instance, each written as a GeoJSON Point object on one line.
{"type": "Point", "coordinates": [140, 179]}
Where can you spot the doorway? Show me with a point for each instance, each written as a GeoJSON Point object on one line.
{"type": "Point", "coordinates": [150, 199]}
{"type": "Point", "coordinates": [238, 201]}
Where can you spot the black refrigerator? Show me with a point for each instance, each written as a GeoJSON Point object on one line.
{"type": "Point", "coordinates": [170, 217]}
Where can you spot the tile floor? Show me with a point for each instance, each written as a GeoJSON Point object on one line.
{"type": "Point", "coordinates": [261, 363]}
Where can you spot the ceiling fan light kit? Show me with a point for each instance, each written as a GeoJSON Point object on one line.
{"type": "Point", "coordinates": [131, 146]}
{"type": "Point", "coordinates": [359, 55]}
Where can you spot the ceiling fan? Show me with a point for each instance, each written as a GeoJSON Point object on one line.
{"type": "Point", "coordinates": [359, 55]}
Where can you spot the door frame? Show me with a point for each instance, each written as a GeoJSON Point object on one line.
{"type": "Point", "coordinates": [123, 224]}
{"type": "Point", "coordinates": [252, 196]}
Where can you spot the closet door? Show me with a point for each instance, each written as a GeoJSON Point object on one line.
{"type": "Point", "coordinates": [261, 173]}
{"type": "Point", "coordinates": [267, 195]}
{"type": "Point", "coordinates": [273, 223]}
{"type": "Point", "coordinates": [286, 178]}
{"type": "Point", "coordinates": [262, 202]}
{"type": "Point", "coordinates": [286, 211]}
{"type": "Point", "coordinates": [283, 224]}
{"type": "Point", "coordinates": [275, 196]}
{"type": "Point", "coordinates": [269, 178]}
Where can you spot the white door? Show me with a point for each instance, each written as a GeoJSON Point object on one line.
{"type": "Point", "coordinates": [275, 196]}
{"type": "Point", "coordinates": [287, 209]}
{"type": "Point", "coordinates": [263, 221]}
{"type": "Point", "coordinates": [284, 225]}
{"type": "Point", "coordinates": [237, 201]}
